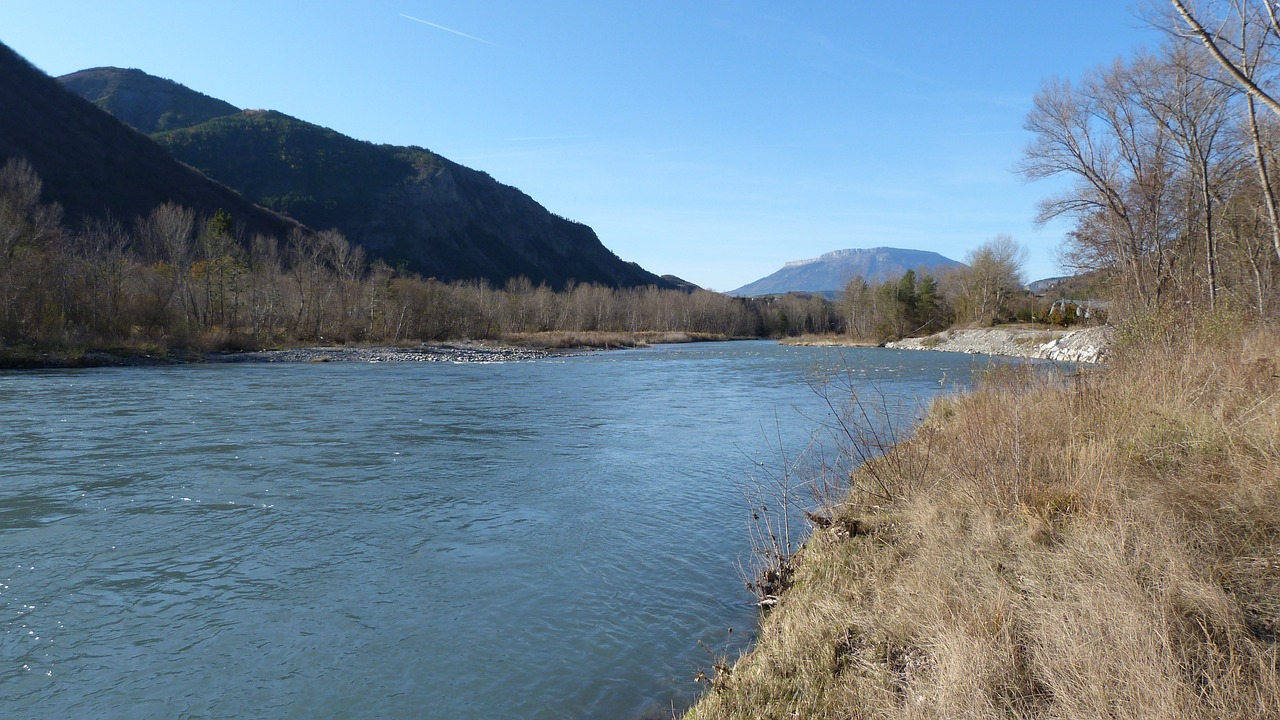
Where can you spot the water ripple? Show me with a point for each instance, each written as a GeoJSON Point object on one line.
{"type": "Point", "coordinates": [537, 540]}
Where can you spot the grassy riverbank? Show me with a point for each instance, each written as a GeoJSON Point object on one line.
{"type": "Point", "coordinates": [1103, 546]}
{"type": "Point", "coordinates": [26, 357]}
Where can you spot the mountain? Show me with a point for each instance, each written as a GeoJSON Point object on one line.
{"type": "Point", "coordinates": [1044, 284]}
{"type": "Point", "coordinates": [680, 283]}
{"type": "Point", "coordinates": [405, 205]}
{"type": "Point", "coordinates": [829, 273]}
{"type": "Point", "coordinates": [95, 165]}
{"type": "Point", "coordinates": [147, 103]}
{"type": "Point", "coordinates": [1088, 285]}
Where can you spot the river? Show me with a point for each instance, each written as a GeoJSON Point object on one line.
{"type": "Point", "coordinates": [543, 539]}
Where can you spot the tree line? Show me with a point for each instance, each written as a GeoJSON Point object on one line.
{"type": "Point", "coordinates": [1172, 166]}
{"type": "Point", "coordinates": [988, 289]}
{"type": "Point", "coordinates": [175, 279]}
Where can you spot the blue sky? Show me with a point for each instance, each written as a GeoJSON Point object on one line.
{"type": "Point", "coordinates": [714, 140]}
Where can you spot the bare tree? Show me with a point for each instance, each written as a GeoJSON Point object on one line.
{"type": "Point", "coordinates": [981, 291]}
{"type": "Point", "coordinates": [1235, 13]}
{"type": "Point", "coordinates": [24, 220]}
{"type": "Point", "coordinates": [1121, 162]}
{"type": "Point", "coordinates": [1180, 93]}
{"type": "Point", "coordinates": [1244, 42]}
{"type": "Point", "coordinates": [168, 234]}
{"type": "Point", "coordinates": [104, 263]}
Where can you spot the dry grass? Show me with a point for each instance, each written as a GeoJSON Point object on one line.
{"type": "Point", "coordinates": [571, 339]}
{"type": "Point", "coordinates": [1107, 545]}
{"type": "Point", "coordinates": [827, 340]}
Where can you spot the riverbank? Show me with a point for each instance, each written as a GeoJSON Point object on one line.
{"type": "Point", "coordinates": [601, 340]}
{"type": "Point", "coordinates": [826, 341]}
{"type": "Point", "coordinates": [429, 352]}
{"type": "Point", "coordinates": [510, 348]}
{"type": "Point", "coordinates": [460, 352]}
{"type": "Point", "coordinates": [1102, 545]}
{"type": "Point", "coordinates": [1087, 345]}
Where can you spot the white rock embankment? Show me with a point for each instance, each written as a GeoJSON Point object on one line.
{"type": "Point", "coordinates": [1088, 345]}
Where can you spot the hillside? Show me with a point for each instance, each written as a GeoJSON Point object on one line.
{"type": "Point", "coordinates": [94, 165]}
{"type": "Point", "coordinates": [1084, 286]}
{"type": "Point", "coordinates": [829, 273]}
{"type": "Point", "coordinates": [405, 205]}
{"type": "Point", "coordinates": [145, 102]}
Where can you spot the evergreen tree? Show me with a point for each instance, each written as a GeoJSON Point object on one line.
{"type": "Point", "coordinates": [927, 307]}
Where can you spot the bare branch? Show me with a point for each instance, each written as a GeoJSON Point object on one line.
{"type": "Point", "coordinates": [1210, 42]}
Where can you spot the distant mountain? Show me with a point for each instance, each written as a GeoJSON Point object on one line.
{"type": "Point", "coordinates": [1089, 285]}
{"type": "Point", "coordinates": [145, 102]}
{"type": "Point", "coordinates": [828, 274]}
{"type": "Point", "coordinates": [94, 165]}
{"type": "Point", "coordinates": [405, 205]}
{"type": "Point", "coordinates": [1037, 286]}
{"type": "Point", "coordinates": [681, 284]}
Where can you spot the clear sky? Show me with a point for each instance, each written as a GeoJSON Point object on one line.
{"type": "Point", "coordinates": [710, 139]}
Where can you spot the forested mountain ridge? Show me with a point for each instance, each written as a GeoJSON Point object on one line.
{"type": "Point", "coordinates": [95, 166]}
{"type": "Point", "coordinates": [405, 205]}
{"type": "Point", "coordinates": [145, 102]}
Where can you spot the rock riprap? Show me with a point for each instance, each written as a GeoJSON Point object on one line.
{"type": "Point", "coordinates": [1087, 345]}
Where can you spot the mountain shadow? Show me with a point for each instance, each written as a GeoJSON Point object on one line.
{"type": "Point", "coordinates": [405, 205]}
{"type": "Point", "coordinates": [96, 166]}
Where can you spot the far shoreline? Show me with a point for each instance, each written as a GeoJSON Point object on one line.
{"type": "Point", "coordinates": [513, 348]}
{"type": "Point", "coordinates": [1085, 345]}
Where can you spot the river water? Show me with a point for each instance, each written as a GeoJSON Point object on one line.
{"type": "Point", "coordinates": [541, 539]}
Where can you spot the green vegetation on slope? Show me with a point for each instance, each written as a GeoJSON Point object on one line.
{"type": "Point", "coordinates": [93, 165]}
{"type": "Point", "coordinates": [404, 205]}
{"type": "Point", "coordinates": [1104, 545]}
{"type": "Point", "coordinates": [145, 102]}
{"type": "Point", "coordinates": [300, 169]}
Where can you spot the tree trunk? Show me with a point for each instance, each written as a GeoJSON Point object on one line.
{"type": "Point", "coordinates": [1264, 176]}
{"type": "Point", "coordinates": [1211, 261]}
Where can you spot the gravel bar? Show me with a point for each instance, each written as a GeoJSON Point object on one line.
{"type": "Point", "coordinates": [451, 353]}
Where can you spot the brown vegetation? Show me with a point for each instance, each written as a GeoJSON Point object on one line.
{"type": "Point", "coordinates": [172, 279]}
{"type": "Point", "coordinates": [555, 340]}
{"type": "Point", "coordinates": [1101, 545]}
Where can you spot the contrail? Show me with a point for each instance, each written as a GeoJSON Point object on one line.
{"type": "Point", "coordinates": [441, 27]}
